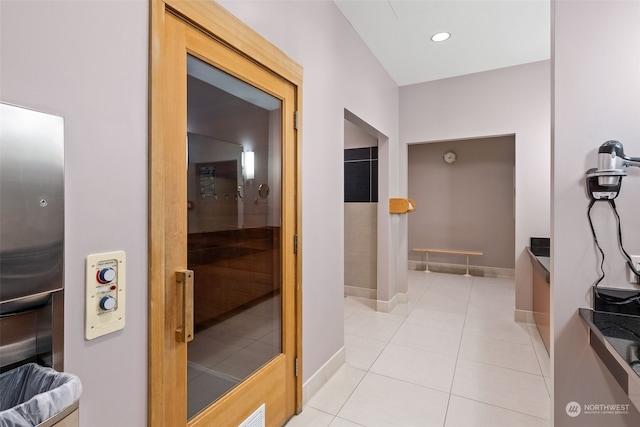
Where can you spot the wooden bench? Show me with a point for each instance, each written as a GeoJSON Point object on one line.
{"type": "Point", "coordinates": [446, 251]}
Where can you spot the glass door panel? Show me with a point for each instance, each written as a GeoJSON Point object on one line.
{"type": "Point", "coordinates": [234, 231]}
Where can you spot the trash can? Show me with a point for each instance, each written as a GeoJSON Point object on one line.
{"type": "Point", "coordinates": [33, 395]}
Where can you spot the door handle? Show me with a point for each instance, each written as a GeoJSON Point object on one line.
{"type": "Point", "coordinates": [184, 278]}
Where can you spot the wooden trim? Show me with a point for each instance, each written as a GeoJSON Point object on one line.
{"type": "Point", "coordinates": [298, 279]}
{"type": "Point", "coordinates": [216, 22]}
{"type": "Point", "coordinates": [156, 340]}
{"type": "Point", "coordinates": [448, 251]}
{"type": "Point", "coordinates": [225, 27]}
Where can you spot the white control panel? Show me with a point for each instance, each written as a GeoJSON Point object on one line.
{"type": "Point", "coordinates": [105, 291]}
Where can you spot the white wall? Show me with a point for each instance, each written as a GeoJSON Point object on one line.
{"type": "Point", "coordinates": [512, 100]}
{"type": "Point", "coordinates": [87, 62]}
{"type": "Point", "coordinates": [339, 72]}
{"type": "Point", "coordinates": [596, 97]}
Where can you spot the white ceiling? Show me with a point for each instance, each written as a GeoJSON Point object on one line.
{"type": "Point", "coordinates": [486, 34]}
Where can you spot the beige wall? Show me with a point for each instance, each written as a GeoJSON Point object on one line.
{"type": "Point", "coordinates": [360, 229]}
{"type": "Point", "coordinates": [468, 205]}
{"type": "Point", "coordinates": [360, 248]}
{"type": "Point", "coordinates": [507, 101]}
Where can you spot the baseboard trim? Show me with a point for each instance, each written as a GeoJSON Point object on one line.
{"type": "Point", "coordinates": [524, 316]}
{"type": "Point", "coordinates": [474, 270]}
{"type": "Point", "coordinates": [322, 375]}
{"type": "Point", "coordinates": [354, 291]}
{"type": "Point", "coordinates": [388, 306]}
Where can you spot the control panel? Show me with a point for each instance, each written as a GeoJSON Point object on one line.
{"type": "Point", "coordinates": [105, 294]}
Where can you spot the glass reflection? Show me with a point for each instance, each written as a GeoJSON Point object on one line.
{"type": "Point", "coordinates": [233, 243]}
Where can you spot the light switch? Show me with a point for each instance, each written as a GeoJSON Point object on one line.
{"type": "Point", "coordinates": [105, 294]}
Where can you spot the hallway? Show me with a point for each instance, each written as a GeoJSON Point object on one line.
{"type": "Point", "coordinates": [452, 356]}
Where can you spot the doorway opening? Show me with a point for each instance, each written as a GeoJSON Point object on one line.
{"type": "Point", "coordinates": [466, 193]}
{"type": "Point", "coordinates": [360, 212]}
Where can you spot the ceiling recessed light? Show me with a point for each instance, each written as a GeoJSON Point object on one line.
{"type": "Point", "coordinates": [440, 37]}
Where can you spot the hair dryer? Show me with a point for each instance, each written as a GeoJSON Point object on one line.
{"type": "Point", "coordinates": [604, 182]}
{"type": "Point", "coordinates": [611, 160]}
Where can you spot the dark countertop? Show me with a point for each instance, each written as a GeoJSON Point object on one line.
{"type": "Point", "coordinates": [541, 263]}
{"type": "Point", "coordinates": [616, 339]}
{"type": "Point", "coordinates": [621, 331]}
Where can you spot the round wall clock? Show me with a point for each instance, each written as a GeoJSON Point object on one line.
{"type": "Point", "coordinates": [449, 157]}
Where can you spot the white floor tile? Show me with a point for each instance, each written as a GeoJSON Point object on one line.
{"type": "Point", "coordinates": [436, 302]}
{"type": "Point", "coordinates": [480, 311]}
{"type": "Point", "coordinates": [507, 330]}
{"type": "Point", "coordinates": [416, 366]}
{"type": "Point", "coordinates": [436, 319]}
{"type": "Point", "coordinates": [469, 413]}
{"type": "Point", "coordinates": [399, 312]}
{"type": "Point", "coordinates": [332, 396]}
{"type": "Point", "coordinates": [373, 327]}
{"type": "Point", "coordinates": [428, 338]}
{"type": "Point", "coordinates": [385, 402]}
{"type": "Point", "coordinates": [449, 291]}
{"type": "Point", "coordinates": [361, 351]}
{"type": "Point", "coordinates": [341, 422]}
{"type": "Point", "coordinates": [507, 354]}
{"type": "Point", "coordinates": [505, 388]}
{"type": "Point", "coordinates": [451, 356]}
{"type": "Point", "coordinates": [359, 305]}
{"type": "Point", "coordinates": [311, 417]}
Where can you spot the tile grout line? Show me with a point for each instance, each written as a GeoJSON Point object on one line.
{"type": "Point", "coordinates": [455, 367]}
{"type": "Point", "coordinates": [368, 370]}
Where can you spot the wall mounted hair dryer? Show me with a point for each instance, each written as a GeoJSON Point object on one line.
{"type": "Point", "coordinates": [604, 181]}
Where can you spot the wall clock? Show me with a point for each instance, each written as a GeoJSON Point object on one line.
{"type": "Point", "coordinates": [449, 157]}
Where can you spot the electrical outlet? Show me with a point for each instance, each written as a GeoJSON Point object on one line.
{"type": "Point", "coordinates": [635, 259]}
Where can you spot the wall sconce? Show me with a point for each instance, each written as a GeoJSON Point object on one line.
{"type": "Point", "coordinates": [248, 161]}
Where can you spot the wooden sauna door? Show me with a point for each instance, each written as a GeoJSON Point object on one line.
{"type": "Point", "coordinates": [224, 256]}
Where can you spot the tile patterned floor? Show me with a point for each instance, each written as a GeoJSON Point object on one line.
{"type": "Point", "coordinates": [451, 357]}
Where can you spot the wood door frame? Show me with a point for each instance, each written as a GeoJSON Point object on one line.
{"type": "Point", "coordinates": [219, 24]}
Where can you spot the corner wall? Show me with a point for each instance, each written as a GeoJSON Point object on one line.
{"type": "Point", "coordinates": [87, 61]}
{"type": "Point", "coordinates": [339, 72]}
{"type": "Point", "coordinates": [596, 97]}
{"type": "Point", "coordinates": [467, 205]}
{"type": "Point", "coordinates": [512, 100]}
{"type": "Point", "coordinates": [360, 217]}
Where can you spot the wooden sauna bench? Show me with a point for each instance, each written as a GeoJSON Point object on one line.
{"type": "Point", "coordinates": [427, 251]}
{"type": "Point", "coordinates": [233, 270]}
